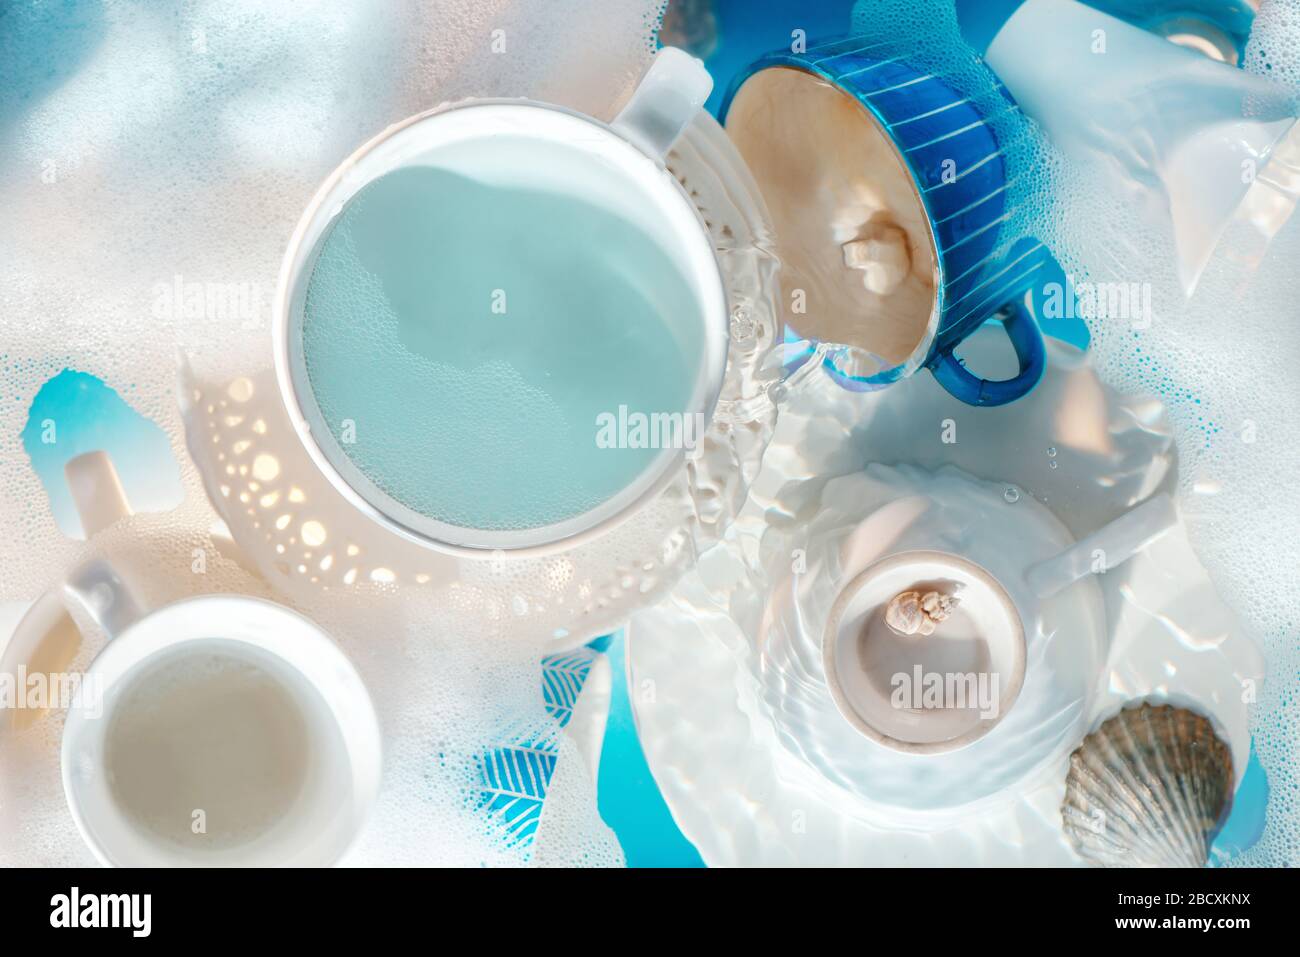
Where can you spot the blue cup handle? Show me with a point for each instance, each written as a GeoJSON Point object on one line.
{"type": "Point", "coordinates": [971, 389]}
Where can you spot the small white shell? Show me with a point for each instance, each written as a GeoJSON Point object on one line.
{"type": "Point", "coordinates": [938, 607]}
{"type": "Point", "coordinates": [1149, 788]}
{"type": "Point", "coordinates": [903, 613]}
{"type": "Point", "coordinates": [911, 613]}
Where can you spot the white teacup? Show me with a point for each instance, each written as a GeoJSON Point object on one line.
{"type": "Point", "coordinates": [925, 694]}
{"type": "Point", "coordinates": [942, 689]}
{"type": "Point", "coordinates": [221, 730]}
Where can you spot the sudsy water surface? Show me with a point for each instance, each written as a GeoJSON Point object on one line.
{"type": "Point", "coordinates": [464, 339]}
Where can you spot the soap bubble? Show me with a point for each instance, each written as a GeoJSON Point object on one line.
{"type": "Point", "coordinates": [1274, 47]}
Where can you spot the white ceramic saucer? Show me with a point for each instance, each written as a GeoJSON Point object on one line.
{"type": "Point", "coordinates": [737, 787]}
{"type": "Point", "coordinates": [865, 518]}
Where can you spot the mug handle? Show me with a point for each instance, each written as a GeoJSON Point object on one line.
{"type": "Point", "coordinates": [1028, 343]}
{"type": "Point", "coordinates": [47, 639]}
{"type": "Point", "coordinates": [1117, 542]}
{"type": "Point", "coordinates": [668, 97]}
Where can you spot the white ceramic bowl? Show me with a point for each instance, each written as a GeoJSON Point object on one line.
{"type": "Point", "coordinates": [881, 680]}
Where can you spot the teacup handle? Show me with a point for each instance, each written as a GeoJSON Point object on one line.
{"type": "Point", "coordinates": [47, 638]}
{"type": "Point", "coordinates": [95, 587]}
{"type": "Point", "coordinates": [1117, 542]}
{"type": "Point", "coordinates": [1025, 339]}
{"type": "Point", "coordinates": [668, 97]}
{"type": "Point", "coordinates": [98, 590]}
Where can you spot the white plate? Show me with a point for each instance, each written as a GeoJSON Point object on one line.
{"type": "Point", "coordinates": [744, 797]}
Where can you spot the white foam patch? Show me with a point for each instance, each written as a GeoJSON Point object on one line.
{"type": "Point", "coordinates": [1274, 47]}
{"type": "Point", "coordinates": [146, 149]}
{"type": "Point", "coordinates": [1223, 362]}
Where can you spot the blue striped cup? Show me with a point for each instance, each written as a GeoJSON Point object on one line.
{"type": "Point", "coordinates": [934, 265]}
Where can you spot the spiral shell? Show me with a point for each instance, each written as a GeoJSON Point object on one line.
{"type": "Point", "coordinates": [1150, 788]}
{"type": "Point", "coordinates": [911, 613]}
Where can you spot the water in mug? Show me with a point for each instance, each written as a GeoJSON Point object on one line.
{"type": "Point", "coordinates": [461, 339]}
{"type": "Point", "coordinates": [212, 732]}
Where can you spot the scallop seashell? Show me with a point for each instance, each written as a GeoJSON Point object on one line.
{"type": "Point", "coordinates": [1150, 788]}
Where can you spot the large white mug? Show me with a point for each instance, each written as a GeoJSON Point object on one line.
{"type": "Point", "coordinates": [220, 730]}
{"type": "Point", "coordinates": [616, 167]}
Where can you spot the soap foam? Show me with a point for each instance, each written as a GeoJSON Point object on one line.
{"type": "Point", "coordinates": [486, 417]}
{"type": "Point", "coordinates": [1274, 47]}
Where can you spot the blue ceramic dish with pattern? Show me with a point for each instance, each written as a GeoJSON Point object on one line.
{"type": "Point", "coordinates": [935, 257]}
